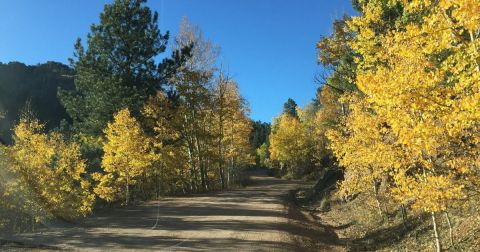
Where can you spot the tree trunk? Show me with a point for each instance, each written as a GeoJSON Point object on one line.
{"type": "Point", "coordinates": [159, 181]}
{"type": "Point", "coordinates": [200, 163]}
{"type": "Point", "coordinates": [127, 192]}
{"type": "Point", "coordinates": [192, 168]}
{"type": "Point", "coordinates": [438, 246]}
{"type": "Point", "coordinates": [472, 38]}
{"type": "Point", "coordinates": [191, 148]}
{"type": "Point", "coordinates": [228, 176]}
{"type": "Point", "coordinates": [222, 177]}
{"type": "Point", "coordinates": [379, 205]}
{"type": "Point", "coordinates": [207, 180]}
{"type": "Point", "coordinates": [450, 229]}
{"type": "Point", "coordinates": [220, 159]}
{"type": "Point", "coordinates": [404, 215]}
{"type": "Point", "coordinates": [232, 172]}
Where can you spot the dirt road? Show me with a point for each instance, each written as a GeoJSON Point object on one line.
{"type": "Point", "coordinates": [255, 218]}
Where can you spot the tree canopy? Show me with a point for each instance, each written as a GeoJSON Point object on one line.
{"type": "Point", "coordinates": [117, 68]}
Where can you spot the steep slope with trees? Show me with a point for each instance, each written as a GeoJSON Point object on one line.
{"type": "Point", "coordinates": [35, 88]}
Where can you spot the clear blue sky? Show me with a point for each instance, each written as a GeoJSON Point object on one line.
{"type": "Point", "coordinates": [268, 46]}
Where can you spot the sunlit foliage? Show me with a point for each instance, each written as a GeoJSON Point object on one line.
{"type": "Point", "coordinates": [417, 117]}
{"type": "Point", "coordinates": [288, 144]}
{"type": "Point", "coordinates": [44, 175]}
{"type": "Point", "coordinates": [128, 155]}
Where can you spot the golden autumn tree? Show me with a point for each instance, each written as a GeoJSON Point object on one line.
{"type": "Point", "coordinates": [192, 83]}
{"type": "Point", "coordinates": [362, 146]}
{"type": "Point", "coordinates": [237, 132]}
{"type": "Point", "coordinates": [46, 174]}
{"type": "Point", "coordinates": [327, 117]}
{"type": "Point", "coordinates": [418, 108]}
{"type": "Point", "coordinates": [298, 143]}
{"type": "Point", "coordinates": [288, 144]}
{"type": "Point", "coordinates": [223, 108]}
{"type": "Point", "coordinates": [200, 126]}
{"type": "Point", "coordinates": [262, 153]}
{"type": "Point", "coordinates": [164, 116]}
{"type": "Point", "coordinates": [337, 56]}
{"type": "Point", "coordinates": [127, 155]}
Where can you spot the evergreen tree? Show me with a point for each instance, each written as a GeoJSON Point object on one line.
{"type": "Point", "coordinates": [259, 138]}
{"type": "Point", "coordinates": [290, 108]}
{"type": "Point", "coordinates": [117, 69]}
{"type": "Point", "coordinates": [259, 134]}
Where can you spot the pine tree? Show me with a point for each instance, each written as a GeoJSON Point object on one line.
{"type": "Point", "coordinates": [290, 108]}
{"type": "Point", "coordinates": [117, 69]}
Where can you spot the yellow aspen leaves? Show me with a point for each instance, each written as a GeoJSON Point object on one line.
{"type": "Point", "coordinates": [414, 125]}
{"type": "Point", "coordinates": [237, 127]}
{"type": "Point", "coordinates": [127, 155]}
{"type": "Point", "coordinates": [288, 143]}
{"type": "Point", "coordinates": [416, 119]}
{"type": "Point", "coordinates": [48, 173]}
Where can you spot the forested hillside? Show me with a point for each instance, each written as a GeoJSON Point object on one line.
{"type": "Point", "coordinates": [32, 87]}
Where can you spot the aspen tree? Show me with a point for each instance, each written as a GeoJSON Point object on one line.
{"type": "Point", "coordinates": [128, 155]}
{"type": "Point", "coordinates": [164, 115]}
{"type": "Point", "coordinates": [419, 84]}
{"type": "Point", "coordinates": [237, 131]}
{"type": "Point", "coordinates": [288, 143]}
{"type": "Point", "coordinates": [47, 174]}
{"type": "Point", "coordinates": [193, 83]}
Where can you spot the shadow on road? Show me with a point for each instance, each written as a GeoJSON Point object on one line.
{"type": "Point", "coordinates": [257, 217]}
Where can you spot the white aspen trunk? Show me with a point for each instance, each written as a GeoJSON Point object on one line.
{"type": "Point", "coordinates": [450, 229]}
{"type": "Point", "coordinates": [192, 168]}
{"type": "Point", "coordinates": [159, 181]}
{"type": "Point", "coordinates": [201, 163]}
{"type": "Point", "coordinates": [404, 216]}
{"type": "Point", "coordinates": [379, 206]}
{"type": "Point", "coordinates": [191, 161]}
{"type": "Point", "coordinates": [438, 246]}
{"type": "Point", "coordinates": [472, 38]}
{"type": "Point", "coordinates": [228, 176]}
{"type": "Point", "coordinates": [127, 193]}
{"type": "Point", "coordinates": [220, 151]}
